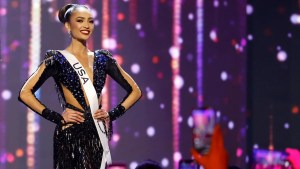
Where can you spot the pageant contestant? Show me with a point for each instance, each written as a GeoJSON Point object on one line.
{"type": "Point", "coordinates": [82, 132]}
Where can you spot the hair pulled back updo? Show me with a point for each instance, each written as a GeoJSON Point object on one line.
{"type": "Point", "coordinates": [66, 11]}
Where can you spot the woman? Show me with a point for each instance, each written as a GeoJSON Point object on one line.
{"type": "Point", "coordinates": [78, 137]}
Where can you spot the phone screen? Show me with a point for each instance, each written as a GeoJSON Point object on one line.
{"type": "Point", "coordinates": [188, 164]}
{"type": "Point", "coordinates": [268, 159]}
{"type": "Point", "coordinates": [116, 166]}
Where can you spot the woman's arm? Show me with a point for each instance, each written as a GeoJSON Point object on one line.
{"type": "Point", "coordinates": [127, 83]}
{"type": "Point", "coordinates": [34, 82]}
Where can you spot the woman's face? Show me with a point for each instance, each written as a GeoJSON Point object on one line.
{"type": "Point", "coordinates": [81, 24]}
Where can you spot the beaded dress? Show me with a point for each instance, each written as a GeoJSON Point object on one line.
{"type": "Point", "coordinates": [77, 146]}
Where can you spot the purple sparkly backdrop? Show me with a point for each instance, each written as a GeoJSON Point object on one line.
{"type": "Point", "coordinates": [143, 32]}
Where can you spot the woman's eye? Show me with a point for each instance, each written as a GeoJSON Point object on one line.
{"type": "Point", "coordinates": [80, 21]}
{"type": "Point", "coordinates": [91, 21]}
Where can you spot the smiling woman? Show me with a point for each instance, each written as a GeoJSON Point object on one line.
{"type": "Point", "coordinates": [83, 130]}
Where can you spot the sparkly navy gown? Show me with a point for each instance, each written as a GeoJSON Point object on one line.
{"type": "Point", "coordinates": [77, 146]}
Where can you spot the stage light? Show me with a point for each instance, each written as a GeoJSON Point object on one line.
{"type": "Point", "coordinates": [231, 125]}
{"type": "Point", "coordinates": [190, 122]}
{"type": "Point", "coordinates": [249, 9]}
{"type": "Point", "coordinates": [250, 37]}
{"type": "Point", "coordinates": [138, 26]}
{"type": "Point", "coordinates": [191, 89]}
{"type": "Point", "coordinates": [135, 68]}
{"type": "Point", "coordinates": [239, 152]}
{"type": "Point", "coordinates": [133, 165]}
{"type": "Point", "coordinates": [295, 19]}
{"type": "Point", "coordinates": [110, 43]}
{"type": "Point", "coordinates": [150, 95]}
{"type": "Point", "coordinates": [6, 94]}
{"type": "Point", "coordinates": [191, 16]}
{"type": "Point", "coordinates": [213, 35]}
{"type": "Point", "coordinates": [162, 106]}
{"type": "Point", "coordinates": [178, 82]}
{"type": "Point", "coordinates": [177, 157]}
{"type": "Point", "coordinates": [151, 131]}
{"type": "Point", "coordinates": [224, 76]}
{"type": "Point", "coordinates": [165, 162]}
{"type": "Point", "coordinates": [282, 56]}
{"type": "Point", "coordinates": [216, 3]}
{"type": "Point", "coordinates": [286, 125]}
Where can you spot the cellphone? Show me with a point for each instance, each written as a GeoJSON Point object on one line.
{"type": "Point", "coordinates": [204, 122]}
{"type": "Point", "coordinates": [188, 164]}
{"type": "Point", "coordinates": [269, 159]}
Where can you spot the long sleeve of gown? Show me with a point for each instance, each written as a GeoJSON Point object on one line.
{"type": "Point", "coordinates": [115, 71]}
{"type": "Point", "coordinates": [45, 70]}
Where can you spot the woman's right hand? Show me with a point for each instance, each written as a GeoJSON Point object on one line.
{"type": "Point", "coordinates": [72, 116]}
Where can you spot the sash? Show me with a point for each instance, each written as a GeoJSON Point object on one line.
{"type": "Point", "coordinates": [94, 105]}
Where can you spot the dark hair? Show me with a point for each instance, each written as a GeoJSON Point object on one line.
{"type": "Point", "coordinates": [149, 164]}
{"type": "Point", "coordinates": [66, 11]}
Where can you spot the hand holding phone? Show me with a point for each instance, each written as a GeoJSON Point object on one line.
{"type": "Point", "coordinates": [204, 122]}
{"type": "Point", "coordinates": [217, 157]}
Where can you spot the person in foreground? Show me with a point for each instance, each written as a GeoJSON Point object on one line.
{"type": "Point", "coordinates": [217, 157]}
{"type": "Point", "coordinates": [83, 130]}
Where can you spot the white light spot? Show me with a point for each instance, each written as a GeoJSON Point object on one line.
{"type": "Point", "coordinates": [150, 95]}
{"type": "Point", "coordinates": [289, 35]}
{"type": "Point", "coordinates": [191, 89]}
{"type": "Point", "coordinates": [281, 56]}
{"type": "Point", "coordinates": [255, 146]}
{"type": "Point", "coordinates": [224, 75]}
{"type": "Point", "coordinates": [247, 159]}
{"type": "Point", "coordinates": [36, 127]}
{"type": "Point", "coordinates": [286, 125]}
{"type": "Point", "coordinates": [216, 3]}
{"type": "Point", "coordinates": [218, 114]}
{"type": "Point", "coordinates": [148, 89]}
{"type": "Point", "coordinates": [250, 37]}
{"type": "Point", "coordinates": [50, 10]}
{"type": "Point", "coordinates": [249, 9]}
{"type": "Point", "coordinates": [177, 156]}
{"type": "Point", "coordinates": [6, 94]}
{"type": "Point", "coordinates": [180, 40]}
{"type": "Point", "coordinates": [287, 164]}
{"type": "Point", "coordinates": [135, 68]}
{"type": "Point", "coordinates": [213, 35]}
{"type": "Point", "coordinates": [110, 43]}
{"type": "Point", "coordinates": [165, 162]}
{"type": "Point", "coordinates": [138, 26]}
{"type": "Point", "coordinates": [162, 106]}
{"type": "Point", "coordinates": [191, 16]}
{"type": "Point", "coordinates": [179, 119]}
{"type": "Point", "coordinates": [178, 82]}
{"type": "Point", "coordinates": [295, 19]}
{"type": "Point", "coordinates": [151, 131]}
{"type": "Point", "coordinates": [115, 137]}
{"type": "Point", "coordinates": [190, 122]}
{"type": "Point", "coordinates": [133, 165]}
{"type": "Point", "coordinates": [96, 22]}
{"type": "Point", "coordinates": [230, 125]}
{"type": "Point", "coordinates": [174, 52]}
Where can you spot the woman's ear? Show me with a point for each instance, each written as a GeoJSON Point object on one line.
{"type": "Point", "coordinates": [67, 26]}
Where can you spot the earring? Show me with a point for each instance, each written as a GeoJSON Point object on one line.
{"type": "Point", "coordinates": [69, 32]}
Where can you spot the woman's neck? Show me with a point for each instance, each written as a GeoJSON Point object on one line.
{"type": "Point", "coordinates": [78, 48]}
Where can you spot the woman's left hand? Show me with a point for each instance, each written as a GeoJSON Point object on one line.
{"type": "Point", "coordinates": [101, 114]}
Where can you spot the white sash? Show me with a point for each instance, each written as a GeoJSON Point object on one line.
{"type": "Point", "coordinates": [93, 100]}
